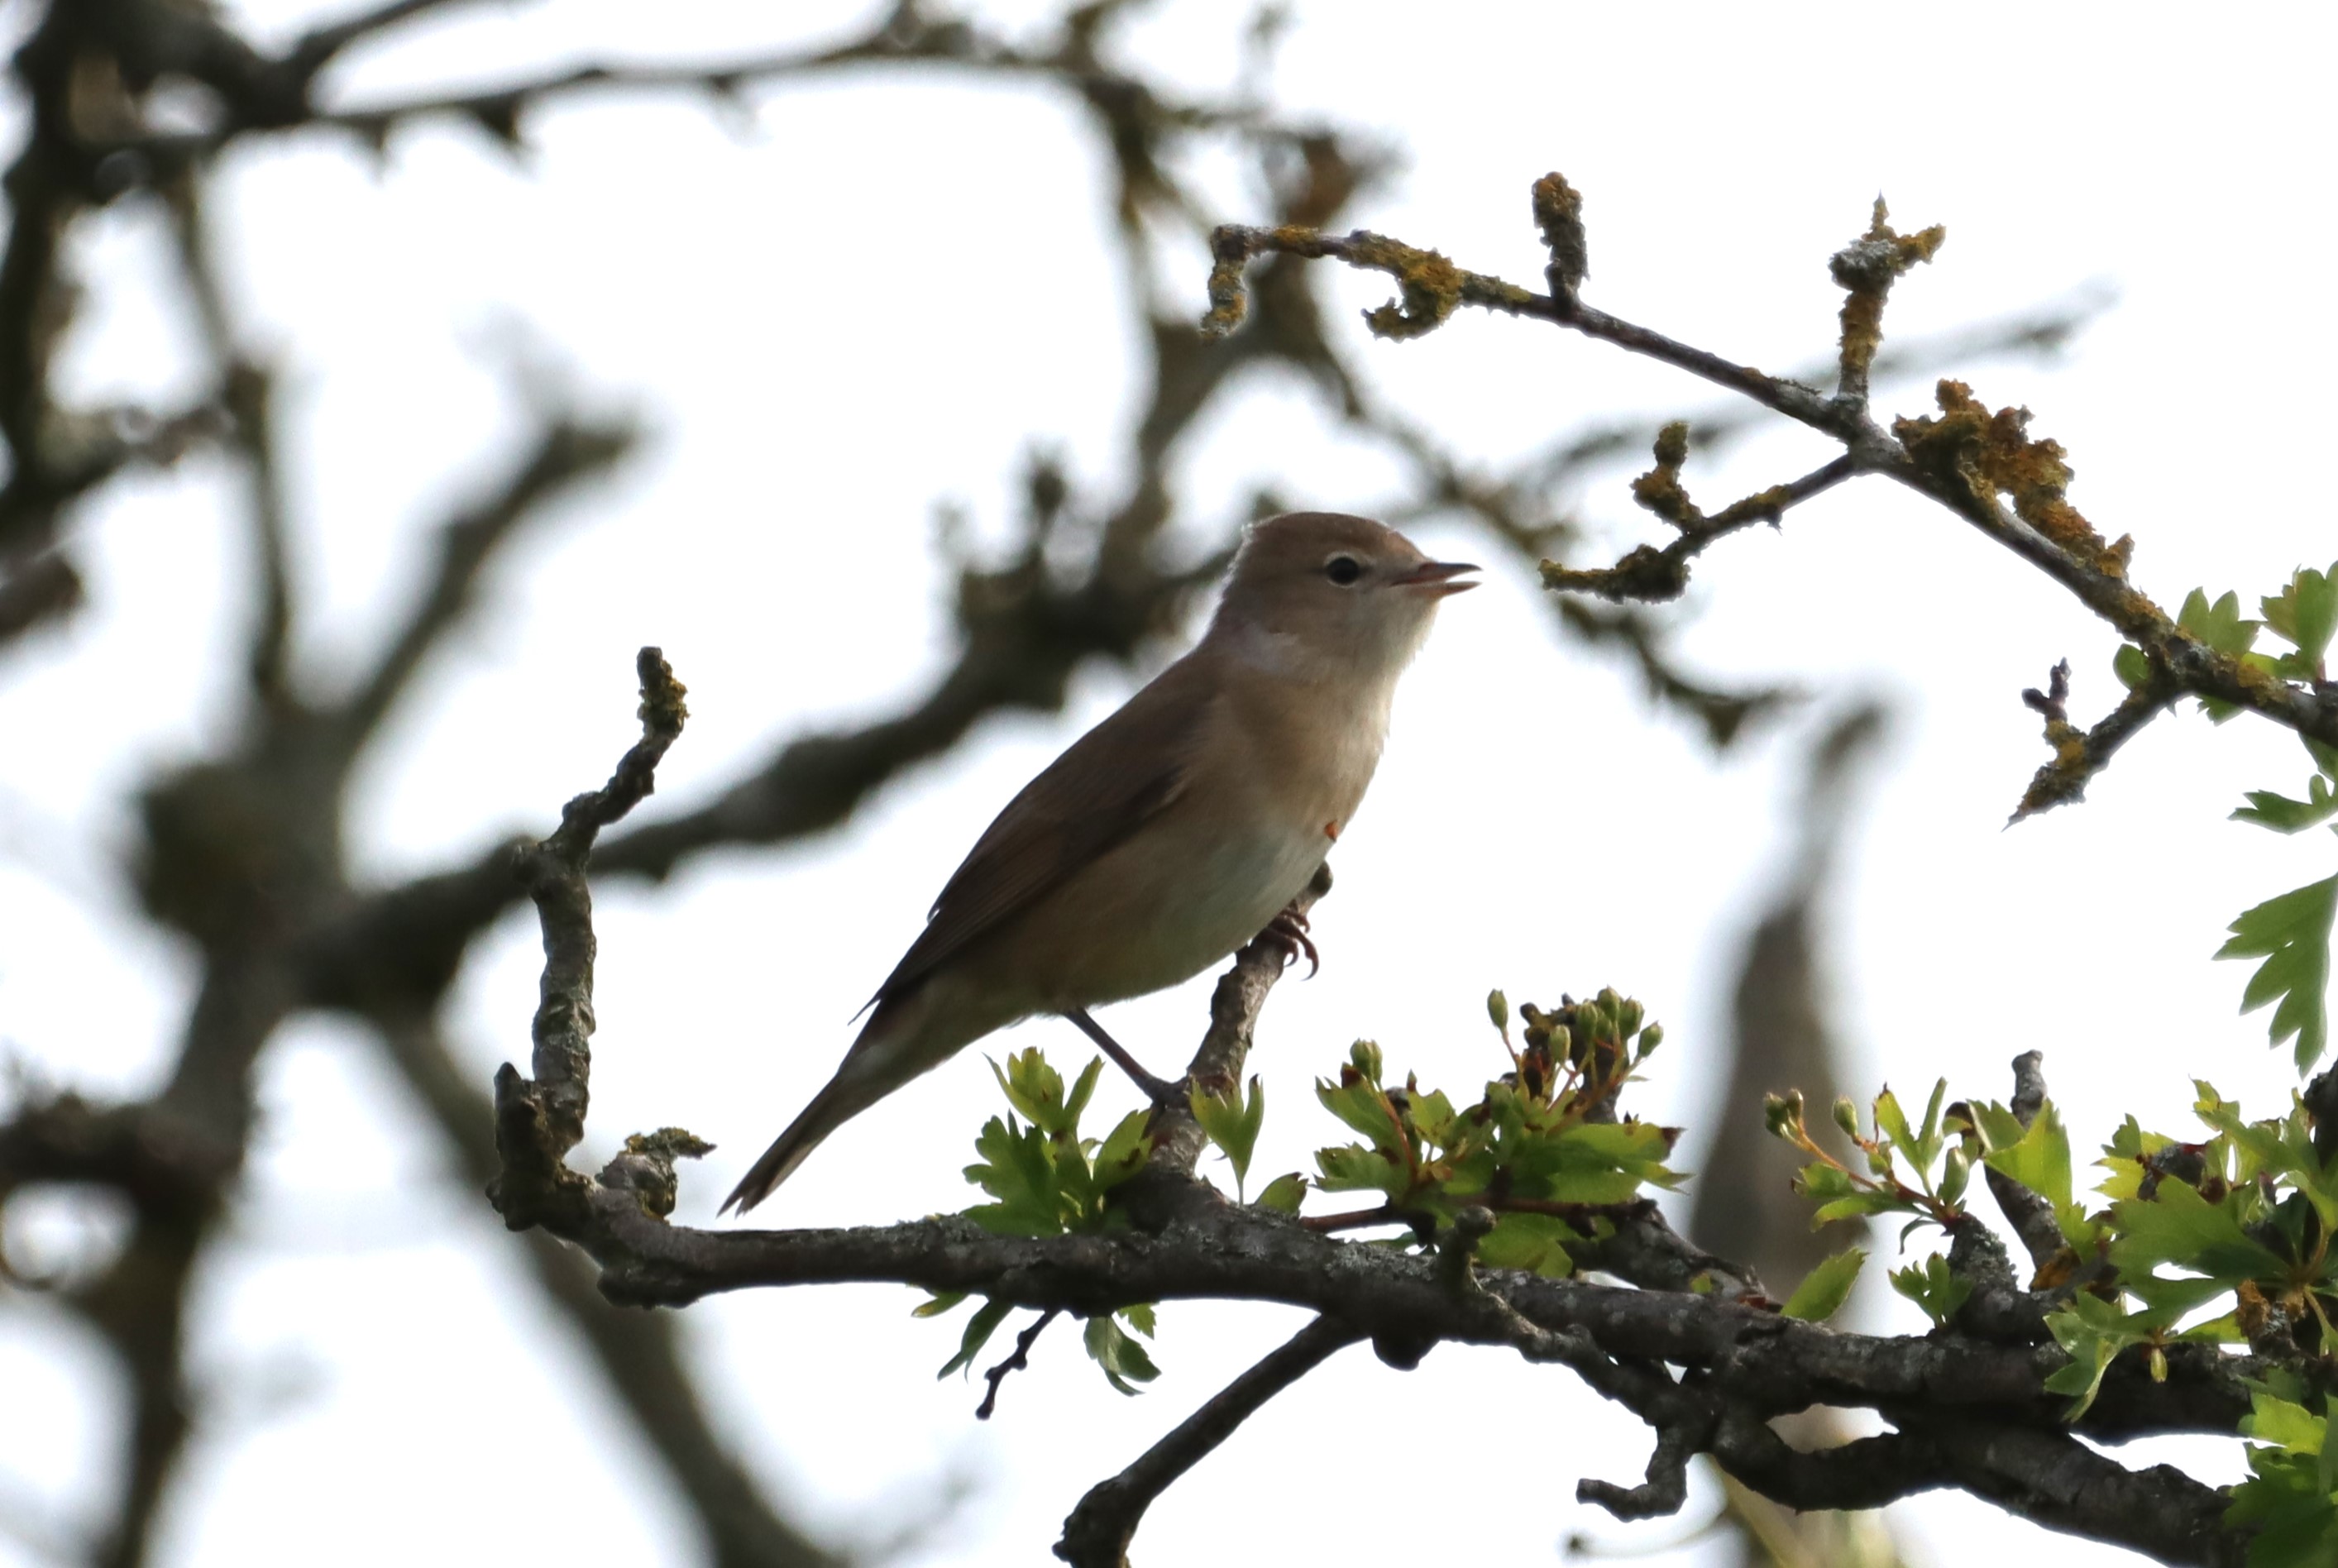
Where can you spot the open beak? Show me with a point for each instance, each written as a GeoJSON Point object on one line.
{"type": "Point", "coordinates": [1438, 578]}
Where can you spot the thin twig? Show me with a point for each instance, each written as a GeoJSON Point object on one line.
{"type": "Point", "coordinates": [1018, 1362]}
{"type": "Point", "coordinates": [567, 452]}
{"type": "Point", "coordinates": [1962, 460]}
{"type": "Point", "coordinates": [1098, 1532]}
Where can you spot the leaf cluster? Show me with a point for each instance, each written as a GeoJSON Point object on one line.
{"type": "Point", "coordinates": [1920, 1170]}
{"type": "Point", "coordinates": [1043, 1179]}
{"type": "Point", "coordinates": [2214, 1240]}
{"type": "Point", "coordinates": [2288, 933]}
{"type": "Point", "coordinates": [1542, 1147]}
{"type": "Point", "coordinates": [2292, 1481]}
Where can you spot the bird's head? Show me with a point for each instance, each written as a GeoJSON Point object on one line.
{"type": "Point", "coordinates": [1315, 594]}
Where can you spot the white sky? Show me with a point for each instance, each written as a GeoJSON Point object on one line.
{"type": "Point", "coordinates": [829, 322]}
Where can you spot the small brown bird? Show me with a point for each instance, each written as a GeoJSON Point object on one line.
{"type": "Point", "coordinates": [1171, 834]}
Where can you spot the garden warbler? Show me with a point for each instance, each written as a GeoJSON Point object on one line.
{"type": "Point", "coordinates": [1171, 834]}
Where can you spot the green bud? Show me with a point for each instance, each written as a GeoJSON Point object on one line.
{"type": "Point", "coordinates": [1782, 1113]}
{"type": "Point", "coordinates": [1954, 1173]}
{"type": "Point", "coordinates": [1846, 1116]}
{"type": "Point", "coordinates": [1628, 1015]}
{"type": "Point", "coordinates": [1562, 1040]}
{"type": "Point", "coordinates": [1366, 1056]}
{"type": "Point", "coordinates": [1651, 1037]}
{"type": "Point", "coordinates": [1498, 1008]}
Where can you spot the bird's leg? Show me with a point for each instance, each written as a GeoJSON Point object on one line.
{"type": "Point", "coordinates": [1288, 931]}
{"type": "Point", "coordinates": [1159, 1091]}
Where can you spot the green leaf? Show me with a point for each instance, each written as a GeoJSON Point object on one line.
{"type": "Point", "coordinates": [1124, 1152]}
{"type": "Point", "coordinates": [2093, 1331]}
{"type": "Point", "coordinates": [2284, 815]}
{"type": "Point", "coordinates": [1894, 1123]}
{"type": "Point", "coordinates": [2040, 1160]}
{"type": "Point", "coordinates": [2130, 666]}
{"type": "Point", "coordinates": [1352, 1167]}
{"type": "Point", "coordinates": [1284, 1194]}
{"type": "Point", "coordinates": [2305, 613]}
{"type": "Point", "coordinates": [978, 1329]}
{"type": "Point", "coordinates": [1929, 1137]}
{"type": "Point", "coordinates": [1018, 1170]}
{"type": "Point", "coordinates": [1826, 1287]}
{"type": "Point", "coordinates": [939, 1303]}
{"type": "Point", "coordinates": [2288, 1500]}
{"type": "Point", "coordinates": [1934, 1287]}
{"type": "Point", "coordinates": [2291, 933]}
{"type": "Point", "coordinates": [1081, 1090]}
{"type": "Point", "coordinates": [1231, 1123]}
{"type": "Point", "coordinates": [1536, 1243]}
{"type": "Point", "coordinates": [2179, 1227]}
{"type": "Point", "coordinates": [1123, 1360]}
{"type": "Point", "coordinates": [1594, 1162]}
{"type": "Point", "coordinates": [2220, 625]}
{"type": "Point", "coordinates": [1359, 1102]}
{"type": "Point", "coordinates": [1035, 1088]}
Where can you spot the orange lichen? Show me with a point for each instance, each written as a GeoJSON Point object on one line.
{"type": "Point", "coordinates": [1991, 451]}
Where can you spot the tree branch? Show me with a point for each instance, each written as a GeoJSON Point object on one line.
{"type": "Point", "coordinates": [1740, 1365]}
{"type": "Point", "coordinates": [642, 1355]}
{"type": "Point", "coordinates": [1963, 459]}
{"type": "Point", "coordinates": [567, 452]}
{"type": "Point", "coordinates": [1098, 1531]}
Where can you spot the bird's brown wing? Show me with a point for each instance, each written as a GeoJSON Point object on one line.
{"type": "Point", "coordinates": [1098, 792]}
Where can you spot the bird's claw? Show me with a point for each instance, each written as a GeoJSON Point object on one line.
{"type": "Point", "coordinates": [1288, 931]}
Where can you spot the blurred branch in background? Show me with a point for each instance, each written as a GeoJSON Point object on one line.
{"type": "Point", "coordinates": [1783, 1038]}
{"type": "Point", "coordinates": [244, 850]}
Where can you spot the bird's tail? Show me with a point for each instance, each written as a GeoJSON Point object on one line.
{"type": "Point", "coordinates": [846, 1096]}
{"type": "Point", "coordinates": [898, 1043]}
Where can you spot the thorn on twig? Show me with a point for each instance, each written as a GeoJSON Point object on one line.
{"type": "Point", "coordinates": [1020, 1361]}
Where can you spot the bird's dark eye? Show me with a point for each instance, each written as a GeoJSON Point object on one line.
{"type": "Point", "coordinates": [1344, 569]}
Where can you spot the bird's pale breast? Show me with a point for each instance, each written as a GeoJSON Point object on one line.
{"type": "Point", "coordinates": [1213, 867]}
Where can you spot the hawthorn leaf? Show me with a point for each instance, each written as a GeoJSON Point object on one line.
{"type": "Point", "coordinates": [2291, 933]}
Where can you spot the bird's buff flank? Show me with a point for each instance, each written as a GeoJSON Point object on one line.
{"type": "Point", "coordinates": [1172, 833]}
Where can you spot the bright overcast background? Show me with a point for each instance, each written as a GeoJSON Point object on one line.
{"type": "Point", "coordinates": [871, 296]}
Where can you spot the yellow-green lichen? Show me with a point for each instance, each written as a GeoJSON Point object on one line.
{"type": "Point", "coordinates": [1865, 270]}
{"type": "Point", "coordinates": [1659, 489]}
{"type": "Point", "coordinates": [1428, 286]}
{"type": "Point", "coordinates": [1558, 215]}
